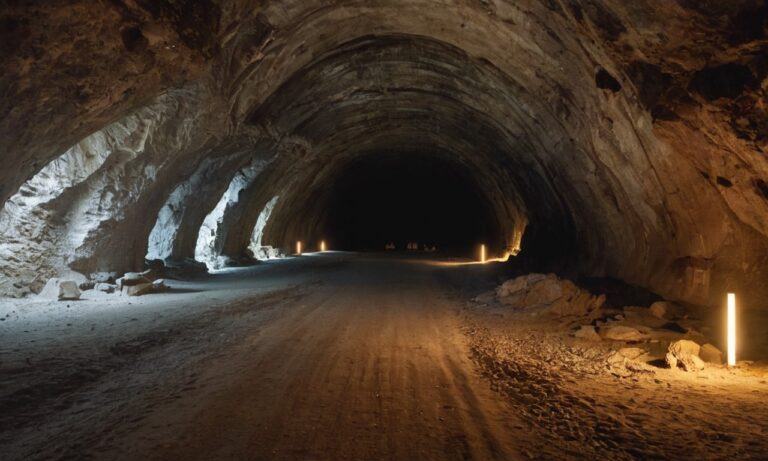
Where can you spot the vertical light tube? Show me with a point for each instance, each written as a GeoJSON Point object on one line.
{"type": "Point", "coordinates": [298, 247]}
{"type": "Point", "coordinates": [322, 245]}
{"type": "Point", "coordinates": [482, 253]}
{"type": "Point", "coordinates": [731, 329]}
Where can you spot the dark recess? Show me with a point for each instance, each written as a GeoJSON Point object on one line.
{"type": "Point", "coordinates": [402, 198]}
{"type": "Point", "coordinates": [606, 81]}
{"type": "Point", "coordinates": [13, 33]}
{"type": "Point", "coordinates": [724, 182]}
{"type": "Point", "coordinates": [725, 81]}
{"type": "Point", "coordinates": [748, 25]}
{"type": "Point", "coordinates": [762, 188]}
{"type": "Point", "coordinates": [133, 39]}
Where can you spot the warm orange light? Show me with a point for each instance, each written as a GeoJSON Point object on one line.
{"type": "Point", "coordinates": [298, 247]}
{"type": "Point", "coordinates": [322, 245]}
{"type": "Point", "coordinates": [482, 253]}
{"type": "Point", "coordinates": [731, 329]}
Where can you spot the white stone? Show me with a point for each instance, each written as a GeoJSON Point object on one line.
{"type": "Point", "coordinates": [621, 333]}
{"type": "Point", "coordinates": [659, 309]}
{"type": "Point", "coordinates": [61, 290]}
{"type": "Point", "coordinates": [105, 287]}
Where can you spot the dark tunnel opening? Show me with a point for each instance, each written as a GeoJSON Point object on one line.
{"type": "Point", "coordinates": [403, 198]}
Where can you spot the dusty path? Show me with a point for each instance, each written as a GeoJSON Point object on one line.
{"type": "Point", "coordinates": [364, 359]}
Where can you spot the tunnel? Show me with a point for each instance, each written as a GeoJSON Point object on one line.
{"type": "Point", "coordinates": [402, 198]}
{"type": "Point", "coordinates": [409, 195]}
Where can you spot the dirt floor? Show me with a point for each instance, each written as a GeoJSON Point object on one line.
{"type": "Point", "coordinates": [341, 356]}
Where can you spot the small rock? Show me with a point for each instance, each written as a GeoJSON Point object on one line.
{"type": "Point", "coordinates": [159, 285]}
{"type": "Point", "coordinates": [61, 290]}
{"type": "Point", "coordinates": [485, 298]}
{"type": "Point", "coordinates": [711, 354]}
{"type": "Point", "coordinates": [587, 332]}
{"type": "Point", "coordinates": [89, 285]}
{"type": "Point", "coordinates": [621, 333]}
{"type": "Point", "coordinates": [105, 287]}
{"type": "Point", "coordinates": [684, 354]}
{"type": "Point", "coordinates": [103, 277]}
{"type": "Point", "coordinates": [631, 353]}
{"type": "Point", "coordinates": [133, 277]}
{"type": "Point", "coordinates": [659, 309]}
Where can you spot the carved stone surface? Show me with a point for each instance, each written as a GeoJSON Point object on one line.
{"type": "Point", "coordinates": [630, 138]}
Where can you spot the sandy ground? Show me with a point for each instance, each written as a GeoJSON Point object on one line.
{"type": "Point", "coordinates": [345, 356]}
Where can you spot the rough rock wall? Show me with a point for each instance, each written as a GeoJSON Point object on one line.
{"type": "Point", "coordinates": [209, 241]}
{"type": "Point", "coordinates": [257, 246]}
{"type": "Point", "coordinates": [72, 67]}
{"type": "Point", "coordinates": [638, 127]}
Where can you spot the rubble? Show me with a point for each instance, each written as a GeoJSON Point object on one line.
{"type": "Point", "coordinates": [561, 297]}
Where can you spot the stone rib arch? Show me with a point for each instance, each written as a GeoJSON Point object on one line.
{"type": "Point", "coordinates": [601, 108]}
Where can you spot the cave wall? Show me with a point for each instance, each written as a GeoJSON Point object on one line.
{"type": "Point", "coordinates": [637, 128]}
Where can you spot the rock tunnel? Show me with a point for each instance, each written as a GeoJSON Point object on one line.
{"type": "Point", "coordinates": [591, 131]}
{"type": "Point", "coordinates": [603, 138]}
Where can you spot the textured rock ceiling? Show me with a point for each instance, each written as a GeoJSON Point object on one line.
{"type": "Point", "coordinates": [627, 138]}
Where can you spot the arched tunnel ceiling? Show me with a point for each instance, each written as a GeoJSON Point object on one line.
{"type": "Point", "coordinates": [637, 129]}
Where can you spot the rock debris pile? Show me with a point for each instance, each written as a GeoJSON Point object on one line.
{"type": "Point", "coordinates": [558, 296]}
{"type": "Point", "coordinates": [663, 332]}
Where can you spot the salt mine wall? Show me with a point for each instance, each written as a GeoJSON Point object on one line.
{"type": "Point", "coordinates": [621, 139]}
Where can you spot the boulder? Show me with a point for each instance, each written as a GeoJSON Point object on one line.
{"type": "Point", "coordinates": [544, 292]}
{"type": "Point", "coordinates": [184, 269]}
{"type": "Point", "coordinates": [561, 297]}
{"type": "Point", "coordinates": [61, 290]}
{"type": "Point", "coordinates": [587, 332]}
{"type": "Point", "coordinates": [132, 279]}
{"type": "Point", "coordinates": [684, 354]}
{"type": "Point", "coordinates": [511, 287]}
{"type": "Point", "coordinates": [137, 290]}
{"type": "Point", "coordinates": [268, 252]}
{"type": "Point", "coordinates": [621, 333]}
{"type": "Point", "coordinates": [711, 354]}
{"type": "Point", "coordinates": [659, 309]}
{"type": "Point", "coordinates": [642, 316]}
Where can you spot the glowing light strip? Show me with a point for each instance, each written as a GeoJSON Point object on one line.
{"type": "Point", "coordinates": [482, 253]}
{"type": "Point", "coordinates": [298, 247]}
{"type": "Point", "coordinates": [322, 245]}
{"type": "Point", "coordinates": [731, 329]}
